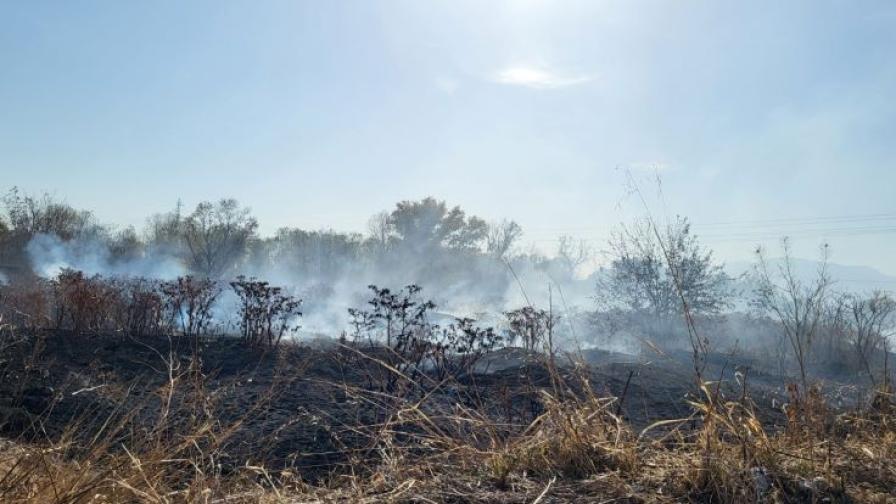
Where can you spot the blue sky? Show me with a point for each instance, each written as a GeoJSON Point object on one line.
{"type": "Point", "coordinates": [762, 118]}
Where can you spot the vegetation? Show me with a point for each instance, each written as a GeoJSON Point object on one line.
{"type": "Point", "coordinates": [266, 312]}
{"type": "Point", "coordinates": [101, 402]}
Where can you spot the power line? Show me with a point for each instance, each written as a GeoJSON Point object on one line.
{"type": "Point", "coordinates": [766, 235]}
{"type": "Point", "coordinates": [801, 220]}
{"type": "Point", "coordinates": [758, 223]}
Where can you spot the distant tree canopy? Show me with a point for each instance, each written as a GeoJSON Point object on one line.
{"type": "Point", "coordinates": [29, 216]}
{"type": "Point", "coordinates": [321, 255]}
{"type": "Point", "coordinates": [429, 224]}
{"type": "Point", "coordinates": [217, 237]}
{"type": "Point", "coordinates": [164, 232]}
{"type": "Point", "coordinates": [425, 240]}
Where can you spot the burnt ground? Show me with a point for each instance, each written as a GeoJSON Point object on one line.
{"type": "Point", "coordinates": [311, 407]}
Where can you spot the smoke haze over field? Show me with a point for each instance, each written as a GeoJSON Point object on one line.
{"type": "Point", "coordinates": [486, 289]}
{"type": "Point", "coordinates": [49, 255]}
{"type": "Point", "coordinates": [330, 271]}
{"type": "Point", "coordinates": [754, 120]}
{"type": "Point", "coordinates": [468, 267]}
{"type": "Point", "coordinates": [764, 118]}
{"type": "Point", "coordinates": [656, 278]}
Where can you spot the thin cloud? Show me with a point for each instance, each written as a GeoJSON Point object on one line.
{"type": "Point", "coordinates": [536, 78]}
{"type": "Point", "coordinates": [447, 85]}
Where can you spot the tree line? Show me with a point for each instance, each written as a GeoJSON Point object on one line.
{"type": "Point", "coordinates": [659, 283]}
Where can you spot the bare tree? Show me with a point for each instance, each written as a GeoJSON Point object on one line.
{"type": "Point", "coordinates": [124, 245]}
{"type": "Point", "coordinates": [572, 253]}
{"type": "Point", "coordinates": [797, 306]}
{"type": "Point", "coordinates": [501, 237]}
{"type": "Point", "coordinates": [166, 230]}
{"type": "Point", "coordinates": [217, 236]}
{"type": "Point", "coordinates": [379, 229]}
{"type": "Point", "coordinates": [29, 215]}
{"type": "Point", "coordinates": [869, 321]}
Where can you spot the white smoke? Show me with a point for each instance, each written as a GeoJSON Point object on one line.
{"type": "Point", "coordinates": [49, 255]}
{"type": "Point", "coordinates": [479, 288]}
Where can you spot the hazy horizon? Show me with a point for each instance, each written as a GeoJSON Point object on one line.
{"type": "Point", "coordinates": [761, 119]}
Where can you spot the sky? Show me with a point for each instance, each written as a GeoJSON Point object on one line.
{"type": "Point", "coordinates": [754, 119]}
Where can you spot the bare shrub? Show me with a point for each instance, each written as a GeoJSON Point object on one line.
{"type": "Point", "coordinates": [798, 307]}
{"type": "Point", "coordinates": [145, 308]}
{"type": "Point", "coordinates": [362, 324]}
{"type": "Point", "coordinates": [188, 301]}
{"type": "Point", "coordinates": [461, 346]}
{"type": "Point", "coordinates": [401, 319]}
{"type": "Point", "coordinates": [530, 326]}
{"type": "Point", "coordinates": [502, 237]}
{"type": "Point", "coordinates": [266, 313]}
{"type": "Point", "coordinates": [27, 303]}
{"type": "Point", "coordinates": [82, 302]}
{"type": "Point", "coordinates": [572, 254]}
{"type": "Point", "coordinates": [400, 314]}
{"type": "Point", "coordinates": [870, 320]}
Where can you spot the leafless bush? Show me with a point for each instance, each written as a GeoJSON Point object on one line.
{"type": "Point", "coordinates": [400, 314]}
{"type": "Point", "coordinates": [82, 303]}
{"type": "Point", "coordinates": [401, 319]}
{"type": "Point", "coordinates": [77, 302]}
{"type": "Point", "coordinates": [188, 300]}
{"type": "Point", "coordinates": [362, 325]}
{"type": "Point", "coordinates": [145, 308]}
{"type": "Point", "coordinates": [27, 303]}
{"type": "Point", "coordinates": [530, 326]}
{"type": "Point", "coordinates": [461, 346]}
{"type": "Point", "coordinates": [266, 313]}
{"type": "Point", "coordinates": [799, 308]}
{"type": "Point", "coordinates": [864, 325]}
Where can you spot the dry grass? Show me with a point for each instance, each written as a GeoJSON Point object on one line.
{"type": "Point", "coordinates": [424, 449]}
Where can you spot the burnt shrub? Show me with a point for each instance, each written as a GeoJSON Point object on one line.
{"type": "Point", "coordinates": [399, 318]}
{"type": "Point", "coordinates": [82, 302]}
{"type": "Point", "coordinates": [531, 326]}
{"type": "Point", "coordinates": [415, 347]}
{"type": "Point", "coordinates": [188, 302]}
{"type": "Point", "coordinates": [143, 307]}
{"type": "Point", "coordinates": [461, 346]}
{"type": "Point", "coordinates": [27, 303]}
{"type": "Point", "coordinates": [266, 312]}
